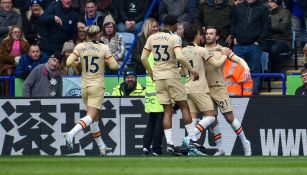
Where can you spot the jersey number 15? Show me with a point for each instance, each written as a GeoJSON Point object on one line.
{"type": "Point", "coordinates": [90, 64]}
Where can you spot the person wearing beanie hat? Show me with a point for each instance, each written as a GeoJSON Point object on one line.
{"type": "Point", "coordinates": [113, 40]}
{"type": "Point", "coordinates": [130, 86]}
{"type": "Point", "coordinates": [45, 80]}
{"type": "Point", "coordinates": [32, 29]}
{"type": "Point", "coordinates": [68, 48]}
{"type": "Point", "coordinates": [39, 2]}
{"type": "Point", "coordinates": [129, 71]}
{"type": "Point", "coordinates": [108, 19]}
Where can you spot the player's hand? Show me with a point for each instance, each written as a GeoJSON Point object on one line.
{"type": "Point", "coordinates": [226, 51]}
{"type": "Point", "coordinates": [246, 75]}
{"type": "Point", "coordinates": [58, 20]}
{"type": "Point", "coordinates": [229, 40]}
{"type": "Point", "coordinates": [195, 75]}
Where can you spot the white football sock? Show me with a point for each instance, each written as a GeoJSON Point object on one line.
{"type": "Point", "coordinates": [202, 125]}
{"type": "Point", "coordinates": [236, 126]}
{"type": "Point", "coordinates": [190, 129]}
{"type": "Point", "coordinates": [96, 134]}
{"type": "Point", "coordinates": [194, 121]}
{"type": "Point", "coordinates": [217, 136]}
{"type": "Point", "coordinates": [169, 136]}
{"type": "Point", "coordinates": [83, 123]}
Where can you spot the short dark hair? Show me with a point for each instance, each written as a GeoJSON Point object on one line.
{"type": "Point", "coordinates": [190, 33]}
{"type": "Point", "coordinates": [90, 1]}
{"type": "Point", "coordinates": [170, 20]}
{"type": "Point", "coordinates": [218, 31]}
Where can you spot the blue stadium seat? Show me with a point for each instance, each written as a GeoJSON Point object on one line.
{"type": "Point", "coordinates": [128, 38]}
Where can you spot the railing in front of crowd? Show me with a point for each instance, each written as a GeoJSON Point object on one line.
{"type": "Point", "coordinates": [121, 69]}
{"type": "Point", "coordinates": [274, 75]}
{"type": "Point", "coordinates": [3, 85]}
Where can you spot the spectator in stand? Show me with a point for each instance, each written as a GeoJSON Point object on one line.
{"type": "Point", "coordinates": [48, 3]}
{"type": "Point", "coordinates": [305, 55]}
{"type": "Point", "coordinates": [11, 48]}
{"type": "Point", "coordinates": [91, 15]}
{"type": "Point", "coordinates": [29, 61]}
{"type": "Point", "coordinates": [45, 80]}
{"type": "Point", "coordinates": [68, 48]}
{"type": "Point", "coordinates": [278, 41]}
{"type": "Point", "coordinates": [180, 30]}
{"type": "Point", "coordinates": [30, 25]}
{"type": "Point", "coordinates": [298, 9]}
{"type": "Point", "coordinates": [150, 26]}
{"type": "Point", "coordinates": [61, 25]}
{"type": "Point", "coordinates": [250, 24]}
{"type": "Point", "coordinates": [184, 10]}
{"type": "Point", "coordinates": [21, 5]}
{"type": "Point", "coordinates": [131, 15]}
{"type": "Point", "coordinates": [235, 82]}
{"type": "Point", "coordinates": [8, 18]}
{"type": "Point", "coordinates": [130, 86]}
{"type": "Point", "coordinates": [216, 13]}
{"type": "Point", "coordinates": [302, 90]}
{"type": "Point", "coordinates": [113, 40]}
{"type": "Point", "coordinates": [108, 7]}
{"type": "Point", "coordinates": [81, 36]}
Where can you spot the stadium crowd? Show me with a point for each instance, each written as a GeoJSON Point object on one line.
{"type": "Point", "coordinates": [249, 27]}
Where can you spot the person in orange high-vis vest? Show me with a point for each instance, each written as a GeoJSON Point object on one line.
{"type": "Point", "coordinates": [234, 80]}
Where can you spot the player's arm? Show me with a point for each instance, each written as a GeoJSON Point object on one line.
{"type": "Point", "coordinates": [110, 60]}
{"type": "Point", "coordinates": [112, 63]}
{"type": "Point", "coordinates": [185, 63]}
{"type": "Point", "coordinates": [72, 60]}
{"type": "Point", "coordinates": [181, 59]}
{"type": "Point", "coordinates": [233, 57]}
{"type": "Point", "coordinates": [145, 62]}
{"type": "Point", "coordinates": [218, 62]}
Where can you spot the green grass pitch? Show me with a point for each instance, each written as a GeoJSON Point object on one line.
{"type": "Point", "coordinates": [58, 165]}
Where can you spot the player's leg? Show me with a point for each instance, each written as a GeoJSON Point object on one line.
{"type": "Point", "coordinates": [167, 125]}
{"type": "Point", "coordinates": [163, 94]}
{"type": "Point", "coordinates": [96, 96]}
{"type": "Point", "coordinates": [82, 124]}
{"type": "Point", "coordinates": [217, 137]}
{"type": "Point", "coordinates": [236, 126]}
{"type": "Point", "coordinates": [186, 116]}
{"type": "Point", "coordinates": [96, 135]}
{"type": "Point", "coordinates": [207, 120]}
{"type": "Point", "coordinates": [204, 104]}
{"type": "Point", "coordinates": [178, 94]}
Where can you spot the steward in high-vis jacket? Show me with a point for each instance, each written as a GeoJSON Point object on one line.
{"type": "Point", "coordinates": [234, 80]}
{"type": "Point", "coordinates": [130, 86]}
